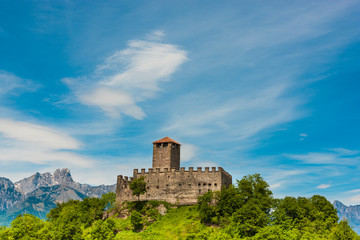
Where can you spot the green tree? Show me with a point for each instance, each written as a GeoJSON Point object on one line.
{"type": "Point", "coordinates": [343, 232]}
{"type": "Point", "coordinates": [103, 230]}
{"type": "Point", "coordinates": [242, 209]}
{"type": "Point", "coordinates": [253, 188]}
{"type": "Point", "coordinates": [138, 186]}
{"type": "Point", "coordinates": [136, 220]}
{"type": "Point", "coordinates": [248, 220]}
{"type": "Point", "coordinates": [26, 226]}
{"type": "Point", "coordinates": [315, 213]}
{"type": "Point", "coordinates": [69, 219]}
{"type": "Point", "coordinates": [108, 200]}
{"type": "Point", "coordinates": [205, 207]}
{"type": "Point", "coordinates": [4, 233]}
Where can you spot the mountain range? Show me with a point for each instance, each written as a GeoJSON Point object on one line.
{"type": "Point", "coordinates": [39, 193]}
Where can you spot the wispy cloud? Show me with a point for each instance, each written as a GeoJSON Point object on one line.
{"type": "Point", "coordinates": [36, 135]}
{"type": "Point", "coordinates": [354, 191]}
{"type": "Point", "coordinates": [188, 152]}
{"type": "Point", "coordinates": [28, 142]}
{"type": "Point", "coordinates": [323, 186]}
{"type": "Point", "coordinates": [12, 84]}
{"type": "Point", "coordinates": [282, 178]}
{"type": "Point", "coordinates": [332, 156]}
{"type": "Point", "coordinates": [129, 76]}
{"type": "Point", "coordinates": [239, 118]}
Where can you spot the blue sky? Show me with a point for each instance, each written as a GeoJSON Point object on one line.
{"type": "Point", "coordinates": [269, 87]}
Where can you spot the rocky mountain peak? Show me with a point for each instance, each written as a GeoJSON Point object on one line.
{"type": "Point", "coordinates": [339, 205]}
{"type": "Point", "coordinates": [5, 184]}
{"type": "Point", "coordinates": [63, 176]}
{"type": "Point", "coordinates": [8, 195]}
{"type": "Point", "coordinates": [35, 181]}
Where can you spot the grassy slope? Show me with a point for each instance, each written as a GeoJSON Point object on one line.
{"type": "Point", "coordinates": [178, 223]}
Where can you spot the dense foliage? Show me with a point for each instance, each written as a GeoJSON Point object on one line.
{"type": "Point", "coordinates": [138, 186]}
{"type": "Point", "coordinates": [249, 210]}
{"type": "Point", "coordinates": [244, 211]}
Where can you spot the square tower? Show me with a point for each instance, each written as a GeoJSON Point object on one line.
{"type": "Point", "coordinates": [166, 154]}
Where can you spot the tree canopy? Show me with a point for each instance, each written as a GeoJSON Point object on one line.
{"type": "Point", "coordinates": [138, 186]}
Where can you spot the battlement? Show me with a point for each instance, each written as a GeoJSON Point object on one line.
{"type": "Point", "coordinates": [124, 179]}
{"type": "Point", "coordinates": [182, 170]}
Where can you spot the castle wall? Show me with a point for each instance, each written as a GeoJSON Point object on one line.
{"type": "Point", "coordinates": [180, 187]}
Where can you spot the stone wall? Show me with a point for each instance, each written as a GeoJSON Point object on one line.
{"type": "Point", "coordinates": [180, 187]}
{"type": "Point", "coordinates": [166, 155]}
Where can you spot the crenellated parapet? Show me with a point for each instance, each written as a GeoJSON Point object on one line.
{"type": "Point", "coordinates": [152, 171]}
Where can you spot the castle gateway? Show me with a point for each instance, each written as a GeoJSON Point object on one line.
{"type": "Point", "coordinates": [167, 181]}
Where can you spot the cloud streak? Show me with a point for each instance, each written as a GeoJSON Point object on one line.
{"type": "Point", "coordinates": [332, 156]}
{"type": "Point", "coordinates": [129, 76]}
{"type": "Point", "coordinates": [34, 143]}
{"type": "Point", "coordinates": [11, 84]}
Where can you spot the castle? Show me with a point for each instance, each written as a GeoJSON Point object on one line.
{"type": "Point", "coordinates": [167, 181]}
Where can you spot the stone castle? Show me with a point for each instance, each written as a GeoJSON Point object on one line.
{"type": "Point", "coordinates": [167, 181]}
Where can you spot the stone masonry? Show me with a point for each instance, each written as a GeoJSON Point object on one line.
{"type": "Point", "coordinates": [166, 181]}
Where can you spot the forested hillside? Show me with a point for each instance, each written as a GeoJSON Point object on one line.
{"type": "Point", "coordinates": [244, 211]}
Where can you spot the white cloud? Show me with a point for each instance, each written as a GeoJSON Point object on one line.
{"type": "Point", "coordinates": [323, 186]}
{"type": "Point", "coordinates": [35, 135]}
{"type": "Point", "coordinates": [113, 102]}
{"type": "Point", "coordinates": [10, 82]}
{"type": "Point", "coordinates": [302, 136]}
{"type": "Point", "coordinates": [188, 152]}
{"type": "Point", "coordinates": [354, 200]}
{"type": "Point", "coordinates": [43, 156]}
{"type": "Point", "coordinates": [354, 191]}
{"type": "Point", "coordinates": [279, 178]}
{"type": "Point", "coordinates": [333, 156]}
{"type": "Point", "coordinates": [344, 152]}
{"type": "Point", "coordinates": [34, 143]}
{"type": "Point", "coordinates": [129, 76]}
{"type": "Point", "coordinates": [276, 185]}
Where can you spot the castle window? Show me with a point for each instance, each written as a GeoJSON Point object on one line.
{"type": "Point", "coordinates": [199, 190]}
{"type": "Point", "coordinates": [165, 144]}
{"type": "Point", "coordinates": [199, 184]}
{"type": "Point", "coordinates": [179, 184]}
{"type": "Point", "coordinates": [167, 185]}
{"type": "Point", "coordinates": [158, 145]}
{"type": "Point", "coordinates": [189, 185]}
{"type": "Point", "coordinates": [204, 184]}
{"type": "Point", "coordinates": [157, 187]}
{"type": "Point", "coordinates": [148, 187]}
{"type": "Point", "coordinates": [168, 176]}
{"type": "Point", "coordinates": [215, 184]}
{"type": "Point", "coordinates": [173, 146]}
{"type": "Point", "coordinates": [209, 184]}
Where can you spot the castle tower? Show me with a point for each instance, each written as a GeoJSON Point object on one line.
{"type": "Point", "coordinates": [166, 154]}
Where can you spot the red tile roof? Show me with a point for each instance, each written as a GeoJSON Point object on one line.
{"type": "Point", "coordinates": [166, 140]}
